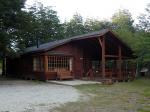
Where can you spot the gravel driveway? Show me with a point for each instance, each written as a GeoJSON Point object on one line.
{"type": "Point", "coordinates": [29, 96]}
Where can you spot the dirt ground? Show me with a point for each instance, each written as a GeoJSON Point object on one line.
{"type": "Point", "coordinates": [34, 96]}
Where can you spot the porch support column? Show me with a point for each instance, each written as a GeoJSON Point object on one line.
{"type": "Point", "coordinates": [102, 43]}
{"type": "Point", "coordinates": [45, 65]}
{"type": "Point", "coordinates": [119, 63]}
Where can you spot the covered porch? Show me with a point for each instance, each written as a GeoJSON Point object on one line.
{"type": "Point", "coordinates": [106, 57]}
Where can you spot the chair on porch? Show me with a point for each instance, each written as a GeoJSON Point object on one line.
{"type": "Point", "coordinates": [90, 74]}
{"type": "Point", "coordinates": [63, 74]}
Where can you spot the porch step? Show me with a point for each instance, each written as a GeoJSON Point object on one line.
{"type": "Point", "coordinates": [107, 81]}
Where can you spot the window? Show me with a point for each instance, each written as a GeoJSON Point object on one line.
{"type": "Point", "coordinates": [38, 64]}
{"type": "Point", "coordinates": [59, 62]}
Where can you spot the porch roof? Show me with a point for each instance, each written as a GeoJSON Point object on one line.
{"type": "Point", "coordinates": [53, 44]}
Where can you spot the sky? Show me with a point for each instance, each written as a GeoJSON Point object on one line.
{"type": "Point", "coordinates": [99, 9]}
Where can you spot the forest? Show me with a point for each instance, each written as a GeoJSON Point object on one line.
{"type": "Point", "coordinates": [23, 26]}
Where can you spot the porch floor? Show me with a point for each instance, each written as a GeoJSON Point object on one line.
{"type": "Point", "coordinates": [73, 82]}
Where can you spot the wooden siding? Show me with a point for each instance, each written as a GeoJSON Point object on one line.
{"type": "Point", "coordinates": [77, 56]}
{"type": "Point", "coordinates": [23, 67]}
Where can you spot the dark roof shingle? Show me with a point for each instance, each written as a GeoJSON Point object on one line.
{"type": "Point", "coordinates": [53, 44]}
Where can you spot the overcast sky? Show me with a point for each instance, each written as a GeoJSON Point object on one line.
{"type": "Point", "coordinates": [99, 9]}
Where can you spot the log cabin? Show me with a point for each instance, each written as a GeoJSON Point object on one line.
{"type": "Point", "coordinates": [96, 55]}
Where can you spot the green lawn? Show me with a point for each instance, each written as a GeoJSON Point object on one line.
{"type": "Point", "coordinates": [121, 97]}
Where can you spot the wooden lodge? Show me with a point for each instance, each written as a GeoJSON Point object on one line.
{"type": "Point", "coordinates": [97, 55]}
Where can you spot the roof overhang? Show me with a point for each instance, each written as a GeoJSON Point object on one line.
{"type": "Point", "coordinates": [51, 45]}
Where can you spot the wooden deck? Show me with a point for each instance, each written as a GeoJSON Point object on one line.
{"type": "Point", "coordinates": [109, 74]}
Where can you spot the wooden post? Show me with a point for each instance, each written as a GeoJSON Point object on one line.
{"type": "Point", "coordinates": [102, 43]}
{"type": "Point", "coordinates": [119, 63]}
{"type": "Point", "coordinates": [45, 65]}
{"type": "Point", "coordinates": [4, 66]}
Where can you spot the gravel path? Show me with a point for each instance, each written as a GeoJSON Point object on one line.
{"type": "Point", "coordinates": [28, 96]}
{"type": "Point", "coordinates": [74, 82]}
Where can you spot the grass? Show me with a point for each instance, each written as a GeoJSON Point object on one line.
{"type": "Point", "coordinates": [121, 97]}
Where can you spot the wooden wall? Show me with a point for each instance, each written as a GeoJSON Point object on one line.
{"type": "Point", "coordinates": [22, 67]}
{"type": "Point", "coordinates": [77, 55]}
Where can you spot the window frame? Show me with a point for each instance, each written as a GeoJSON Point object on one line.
{"type": "Point", "coordinates": [38, 63]}
{"type": "Point", "coordinates": [60, 62]}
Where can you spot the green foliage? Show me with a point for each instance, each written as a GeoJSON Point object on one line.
{"type": "Point", "coordinates": [96, 25]}
{"type": "Point", "coordinates": [123, 26]}
{"type": "Point", "coordinates": [9, 11]}
{"type": "Point", "coordinates": [132, 39]}
{"type": "Point", "coordinates": [144, 20]}
{"type": "Point", "coordinates": [144, 49]}
{"type": "Point", "coordinates": [43, 25]}
{"type": "Point", "coordinates": [143, 29]}
{"type": "Point", "coordinates": [48, 24]}
{"type": "Point", "coordinates": [21, 28]}
{"type": "Point", "coordinates": [77, 26]}
{"type": "Point", "coordinates": [123, 20]}
{"type": "Point", "coordinates": [74, 26]}
{"type": "Point", "coordinates": [137, 39]}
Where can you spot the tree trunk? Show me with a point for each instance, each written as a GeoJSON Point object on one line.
{"type": "Point", "coordinates": [4, 66]}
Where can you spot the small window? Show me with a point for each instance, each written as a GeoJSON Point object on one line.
{"type": "Point", "coordinates": [38, 64]}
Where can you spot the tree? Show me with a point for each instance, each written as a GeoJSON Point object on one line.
{"type": "Point", "coordinates": [123, 20]}
{"type": "Point", "coordinates": [144, 20]}
{"type": "Point", "coordinates": [123, 26]}
{"type": "Point", "coordinates": [96, 25]}
{"type": "Point", "coordinates": [43, 25]}
{"type": "Point", "coordinates": [74, 26]}
{"type": "Point", "coordinates": [9, 11]}
{"type": "Point", "coordinates": [144, 31]}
